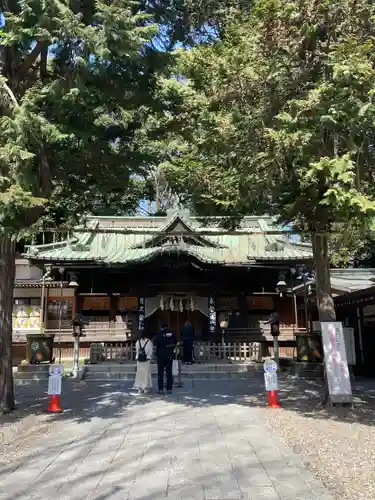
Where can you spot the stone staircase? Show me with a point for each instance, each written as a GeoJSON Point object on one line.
{"type": "Point", "coordinates": [308, 370]}
{"type": "Point", "coordinates": [126, 371]}
{"type": "Point", "coordinates": [113, 371]}
{"type": "Point", "coordinates": [31, 374]}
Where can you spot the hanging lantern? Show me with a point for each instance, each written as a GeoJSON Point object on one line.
{"type": "Point", "coordinates": [181, 306]}
{"type": "Point", "coordinates": [192, 305]}
{"type": "Point", "coordinates": [162, 303]}
{"type": "Point", "coordinates": [171, 304]}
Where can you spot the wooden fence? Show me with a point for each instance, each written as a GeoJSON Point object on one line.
{"type": "Point", "coordinates": [203, 352]}
{"type": "Point", "coordinates": [233, 350]}
{"type": "Point", "coordinates": [232, 335]}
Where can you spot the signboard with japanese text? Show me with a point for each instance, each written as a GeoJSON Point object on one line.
{"type": "Point", "coordinates": [337, 370]}
{"type": "Point", "coordinates": [270, 380]}
{"type": "Point", "coordinates": [270, 375]}
{"type": "Point", "coordinates": [54, 380]}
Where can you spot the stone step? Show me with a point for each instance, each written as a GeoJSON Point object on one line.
{"type": "Point", "coordinates": [197, 368]}
{"type": "Point", "coordinates": [202, 376]}
{"type": "Point", "coordinates": [310, 375]}
{"type": "Point", "coordinates": [305, 369]}
{"type": "Point", "coordinates": [198, 371]}
{"type": "Point", "coordinates": [33, 368]}
{"type": "Point", "coordinates": [30, 376]}
{"type": "Point", "coordinates": [29, 381]}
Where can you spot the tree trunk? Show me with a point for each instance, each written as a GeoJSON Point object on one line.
{"type": "Point", "coordinates": [7, 274]}
{"type": "Point", "coordinates": [326, 307]}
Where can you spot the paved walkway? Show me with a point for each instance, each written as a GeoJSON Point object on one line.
{"type": "Point", "coordinates": [205, 442]}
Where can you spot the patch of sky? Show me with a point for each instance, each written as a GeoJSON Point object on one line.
{"type": "Point", "coordinates": [293, 238]}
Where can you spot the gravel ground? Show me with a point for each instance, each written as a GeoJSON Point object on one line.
{"type": "Point", "coordinates": [16, 438]}
{"type": "Point", "coordinates": [24, 428]}
{"type": "Point", "coordinates": [337, 444]}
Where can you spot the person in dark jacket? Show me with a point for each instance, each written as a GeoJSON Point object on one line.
{"type": "Point", "coordinates": [188, 336]}
{"type": "Point", "coordinates": [165, 343]}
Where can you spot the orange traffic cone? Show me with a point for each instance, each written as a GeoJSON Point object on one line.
{"type": "Point", "coordinates": [273, 400]}
{"type": "Point", "coordinates": [54, 404]}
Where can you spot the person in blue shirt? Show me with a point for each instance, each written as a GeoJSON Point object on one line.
{"type": "Point", "coordinates": [165, 344]}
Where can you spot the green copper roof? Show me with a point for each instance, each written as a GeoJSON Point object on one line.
{"type": "Point", "coordinates": [106, 241]}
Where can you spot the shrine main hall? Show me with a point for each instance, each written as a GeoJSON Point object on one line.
{"type": "Point", "coordinates": [126, 274]}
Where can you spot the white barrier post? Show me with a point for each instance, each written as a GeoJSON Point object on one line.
{"type": "Point", "coordinates": [54, 388]}
{"type": "Point", "coordinates": [271, 383]}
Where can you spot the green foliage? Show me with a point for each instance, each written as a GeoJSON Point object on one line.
{"type": "Point", "coordinates": [279, 113]}
{"type": "Point", "coordinates": [193, 21]}
{"type": "Point", "coordinates": [76, 92]}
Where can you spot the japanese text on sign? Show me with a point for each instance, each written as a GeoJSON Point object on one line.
{"type": "Point", "coordinates": [336, 362]}
{"type": "Point", "coordinates": [270, 380]}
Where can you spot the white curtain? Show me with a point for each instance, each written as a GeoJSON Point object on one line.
{"type": "Point", "coordinates": [152, 304]}
{"type": "Point", "coordinates": [201, 304]}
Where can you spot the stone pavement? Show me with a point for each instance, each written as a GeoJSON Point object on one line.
{"type": "Point", "coordinates": [204, 442]}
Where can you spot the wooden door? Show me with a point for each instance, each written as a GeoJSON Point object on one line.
{"type": "Point", "coordinates": [175, 321]}
{"type": "Point", "coordinates": [368, 345]}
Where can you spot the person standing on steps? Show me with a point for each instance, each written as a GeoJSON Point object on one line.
{"type": "Point", "coordinates": [144, 349]}
{"type": "Point", "coordinates": [165, 343]}
{"type": "Point", "coordinates": [188, 336]}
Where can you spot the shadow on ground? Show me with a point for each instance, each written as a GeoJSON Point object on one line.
{"type": "Point", "coordinates": [108, 443]}
{"type": "Point", "coordinates": [83, 401]}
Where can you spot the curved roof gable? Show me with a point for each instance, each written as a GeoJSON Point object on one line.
{"type": "Point", "coordinates": [177, 231]}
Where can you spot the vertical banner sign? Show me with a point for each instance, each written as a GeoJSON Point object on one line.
{"type": "Point", "coordinates": [212, 314]}
{"type": "Point", "coordinates": [337, 370]}
{"type": "Point", "coordinates": [54, 380]}
{"type": "Point", "coordinates": [141, 313]}
{"type": "Point", "coordinates": [270, 375]}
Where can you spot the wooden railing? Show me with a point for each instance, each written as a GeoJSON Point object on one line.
{"type": "Point", "coordinates": [203, 351]}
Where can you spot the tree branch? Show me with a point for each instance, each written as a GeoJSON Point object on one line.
{"type": "Point", "coordinates": [31, 58]}
{"type": "Point", "coordinates": [43, 61]}
{"type": "Point", "coordinates": [11, 95]}
{"type": "Point", "coordinates": [45, 185]}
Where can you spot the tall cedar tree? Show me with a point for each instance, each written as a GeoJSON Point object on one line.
{"type": "Point", "coordinates": [75, 90]}
{"type": "Point", "coordinates": [278, 116]}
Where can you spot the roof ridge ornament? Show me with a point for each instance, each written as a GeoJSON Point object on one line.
{"type": "Point", "coordinates": [178, 212]}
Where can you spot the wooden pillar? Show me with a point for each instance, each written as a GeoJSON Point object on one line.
{"type": "Point", "coordinates": [113, 303]}
{"type": "Point", "coordinates": [79, 303]}
{"type": "Point", "coordinates": [295, 311]}
{"type": "Point", "coordinates": [43, 308]}
{"type": "Point", "coordinates": [242, 302]}
{"type": "Point", "coordinates": [285, 307]}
